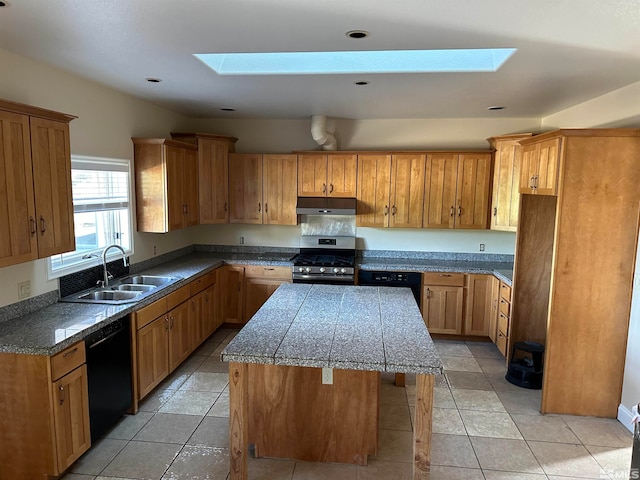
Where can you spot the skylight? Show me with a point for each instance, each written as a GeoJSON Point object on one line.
{"type": "Point", "coordinates": [381, 61]}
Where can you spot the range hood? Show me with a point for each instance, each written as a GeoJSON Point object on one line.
{"type": "Point", "coordinates": [326, 206]}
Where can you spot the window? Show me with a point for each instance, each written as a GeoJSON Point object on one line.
{"type": "Point", "coordinates": [102, 217]}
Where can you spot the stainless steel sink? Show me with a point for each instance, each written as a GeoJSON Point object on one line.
{"type": "Point", "coordinates": [110, 295]}
{"type": "Point", "coordinates": [154, 280]}
{"type": "Point", "coordinates": [129, 287]}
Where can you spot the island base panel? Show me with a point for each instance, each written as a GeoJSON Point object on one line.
{"type": "Point", "coordinates": [238, 421]}
{"type": "Point", "coordinates": [422, 429]}
{"type": "Point", "coordinates": [293, 415]}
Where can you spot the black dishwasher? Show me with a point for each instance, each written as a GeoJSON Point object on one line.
{"type": "Point", "coordinates": [374, 278]}
{"type": "Point", "coordinates": [109, 375]}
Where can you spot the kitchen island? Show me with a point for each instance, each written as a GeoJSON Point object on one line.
{"type": "Point", "coordinates": [282, 360]}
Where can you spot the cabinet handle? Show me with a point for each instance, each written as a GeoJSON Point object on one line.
{"type": "Point", "coordinates": [535, 178]}
{"type": "Point", "coordinates": [70, 352]}
{"type": "Point", "coordinates": [445, 275]}
{"type": "Point", "coordinates": [331, 188]}
{"type": "Point", "coordinates": [32, 222]}
{"type": "Point", "coordinates": [259, 207]}
{"type": "Point", "coordinates": [266, 207]}
{"type": "Point", "coordinates": [452, 211]}
{"type": "Point", "coordinates": [324, 188]}
{"type": "Point", "coordinates": [503, 316]}
{"type": "Point", "coordinates": [495, 211]}
{"type": "Point", "coordinates": [43, 225]}
{"type": "Point", "coordinates": [501, 335]}
{"type": "Point", "coordinates": [166, 323]}
{"type": "Point", "coordinates": [225, 206]}
{"type": "Point", "coordinates": [193, 305]}
{"type": "Point", "coordinates": [171, 321]}
{"type": "Point", "coordinates": [61, 388]}
{"type": "Point", "coordinates": [269, 268]}
{"type": "Point", "coordinates": [459, 211]}
{"type": "Point", "coordinates": [386, 209]}
{"type": "Point", "coordinates": [393, 210]}
{"type": "Point", "coordinates": [428, 293]}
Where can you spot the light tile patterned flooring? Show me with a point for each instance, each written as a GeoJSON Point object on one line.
{"type": "Point", "coordinates": [483, 428]}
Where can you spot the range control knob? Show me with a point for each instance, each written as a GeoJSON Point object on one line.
{"type": "Point", "coordinates": [322, 269]}
{"type": "Point", "coordinates": [343, 270]}
{"type": "Point", "coordinates": [336, 270]}
{"type": "Point", "coordinates": [307, 269]}
{"type": "Point", "coordinates": [300, 269]}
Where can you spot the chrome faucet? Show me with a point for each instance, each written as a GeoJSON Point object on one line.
{"type": "Point", "coordinates": [107, 275]}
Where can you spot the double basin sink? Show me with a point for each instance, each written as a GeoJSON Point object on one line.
{"type": "Point", "coordinates": [128, 289]}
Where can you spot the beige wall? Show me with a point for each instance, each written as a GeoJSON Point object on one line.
{"type": "Point", "coordinates": [106, 122]}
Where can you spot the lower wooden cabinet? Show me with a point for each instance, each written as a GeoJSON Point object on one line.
{"type": "Point", "coordinates": [477, 317]}
{"type": "Point", "coordinates": [442, 308]}
{"type": "Point", "coordinates": [152, 353]}
{"type": "Point", "coordinates": [259, 284]}
{"type": "Point", "coordinates": [504, 318]}
{"type": "Point", "coordinates": [180, 335]}
{"type": "Point", "coordinates": [231, 293]}
{"type": "Point", "coordinates": [45, 409]}
{"type": "Point", "coordinates": [493, 315]}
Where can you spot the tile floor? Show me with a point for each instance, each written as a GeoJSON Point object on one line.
{"type": "Point", "coordinates": [484, 428]}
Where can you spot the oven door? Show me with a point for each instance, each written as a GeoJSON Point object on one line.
{"type": "Point", "coordinates": [323, 279]}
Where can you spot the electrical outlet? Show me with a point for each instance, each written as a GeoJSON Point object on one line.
{"type": "Point", "coordinates": [327, 376]}
{"type": "Point", "coordinates": [155, 250]}
{"type": "Point", "coordinates": [482, 247]}
{"type": "Point", "coordinates": [241, 240]}
{"type": "Point", "coordinates": [24, 290]}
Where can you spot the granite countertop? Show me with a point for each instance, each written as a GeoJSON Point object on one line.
{"type": "Point", "coordinates": [55, 327]}
{"type": "Point", "coordinates": [346, 327]}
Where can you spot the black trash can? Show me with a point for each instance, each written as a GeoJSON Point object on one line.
{"type": "Point", "coordinates": [525, 368]}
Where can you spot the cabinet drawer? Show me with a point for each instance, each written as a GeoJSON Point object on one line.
{"type": "Point", "coordinates": [442, 278]}
{"type": "Point", "coordinates": [505, 307]}
{"type": "Point", "coordinates": [255, 271]}
{"type": "Point", "coordinates": [148, 314]}
{"type": "Point", "coordinates": [505, 291]}
{"type": "Point", "coordinates": [201, 283]}
{"type": "Point", "coordinates": [67, 360]}
{"type": "Point", "coordinates": [503, 324]}
{"type": "Point", "coordinates": [179, 296]}
{"type": "Point", "coordinates": [501, 343]}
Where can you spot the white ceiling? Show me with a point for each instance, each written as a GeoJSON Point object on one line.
{"type": "Point", "coordinates": [569, 51]}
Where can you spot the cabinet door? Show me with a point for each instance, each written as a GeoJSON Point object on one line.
{"type": "Point", "coordinates": [231, 294]}
{"type": "Point", "coordinates": [153, 354]}
{"type": "Point", "coordinates": [175, 185]}
{"type": "Point", "coordinates": [51, 159]}
{"type": "Point", "coordinates": [213, 178]}
{"type": "Point", "coordinates": [495, 300]}
{"type": "Point", "coordinates": [442, 308]}
{"type": "Point", "coordinates": [245, 188]}
{"type": "Point", "coordinates": [341, 175]}
{"type": "Point", "coordinates": [407, 190]}
{"type": "Point", "coordinates": [190, 187]}
{"type": "Point", "coordinates": [18, 242]}
{"type": "Point", "coordinates": [312, 175]}
{"type": "Point", "coordinates": [548, 163]}
{"type": "Point", "coordinates": [374, 180]}
{"type": "Point", "coordinates": [279, 189]}
{"type": "Point", "coordinates": [180, 335]}
{"type": "Point", "coordinates": [472, 191]}
{"type": "Point", "coordinates": [71, 416]}
{"type": "Point", "coordinates": [197, 318]}
{"type": "Point", "coordinates": [479, 305]}
{"type": "Point", "coordinates": [506, 178]}
{"type": "Point", "coordinates": [528, 168]}
{"type": "Point", "coordinates": [211, 315]}
{"type": "Point", "coordinates": [256, 292]}
{"type": "Point", "coordinates": [440, 190]}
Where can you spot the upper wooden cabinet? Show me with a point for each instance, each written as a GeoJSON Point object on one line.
{"type": "Point", "coordinates": [166, 173]}
{"type": "Point", "coordinates": [390, 190]}
{"type": "Point", "coordinates": [540, 166]}
{"type": "Point", "coordinates": [262, 189]}
{"type": "Point", "coordinates": [457, 190]}
{"type": "Point", "coordinates": [332, 175]}
{"type": "Point", "coordinates": [213, 174]}
{"type": "Point", "coordinates": [506, 181]}
{"type": "Point", "coordinates": [36, 209]}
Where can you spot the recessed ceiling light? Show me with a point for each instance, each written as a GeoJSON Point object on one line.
{"type": "Point", "coordinates": [361, 82]}
{"type": "Point", "coordinates": [357, 34]}
{"type": "Point", "coordinates": [357, 62]}
{"type": "Point", "coordinates": [495, 107]}
{"type": "Point", "coordinates": [227, 109]}
{"type": "Point", "coordinates": [153, 80]}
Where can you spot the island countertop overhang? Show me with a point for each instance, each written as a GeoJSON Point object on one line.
{"type": "Point", "coordinates": [343, 327]}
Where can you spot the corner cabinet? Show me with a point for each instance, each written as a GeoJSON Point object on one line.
{"type": "Point", "coordinates": [505, 199]}
{"type": "Point", "coordinates": [45, 404]}
{"type": "Point", "coordinates": [166, 178]}
{"type": "Point", "coordinates": [330, 175]}
{"type": "Point", "coordinates": [36, 209]}
{"type": "Point", "coordinates": [213, 174]}
{"type": "Point", "coordinates": [574, 264]}
{"type": "Point", "coordinates": [457, 190]}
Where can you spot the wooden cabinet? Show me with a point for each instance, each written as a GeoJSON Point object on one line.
{"type": "Point", "coordinates": [540, 167]}
{"type": "Point", "coordinates": [213, 174]}
{"type": "Point", "coordinates": [166, 176]}
{"type": "Point", "coordinates": [477, 316]}
{"type": "Point", "coordinates": [505, 198]}
{"type": "Point", "coordinates": [504, 318]}
{"type": "Point", "coordinates": [180, 335]}
{"type": "Point", "coordinates": [390, 190]}
{"type": "Point", "coordinates": [152, 355]}
{"type": "Point", "coordinates": [457, 190]}
{"type": "Point", "coordinates": [231, 292]}
{"type": "Point", "coordinates": [332, 175]}
{"type": "Point", "coordinates": [204, 311]}
{"type": "Point", "coordinates": [443, 302]}
{"type": "Point", "coordinates": [45, 405]}
{"type": "Point", "coordinates": [36, 211]}
{"type": "Point", "coordinates": [574, 267]}
{"type": "Point", "coordinates": [493, 314]}
{"type": "Point", "coordinates": [262, 189]}
{"type": "Point", "coordinates": [259, 284]}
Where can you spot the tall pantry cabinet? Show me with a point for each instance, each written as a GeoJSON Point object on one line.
{"type": "Point", "coordinates": [574, 262]}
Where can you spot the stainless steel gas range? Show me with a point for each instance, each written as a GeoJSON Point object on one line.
{"type": "Point", "coordinates": [326, 260]}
